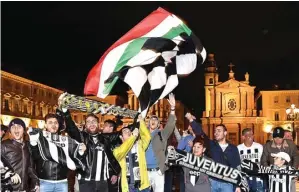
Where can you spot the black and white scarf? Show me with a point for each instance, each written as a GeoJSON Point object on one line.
{"type": "Point", "coordinates": [207, 166]}
{"type": "Point", "coordinates": [58, 148]}
{"type": "Point", "coordinates": [133, 168]}
{"type": "Point", "coordinates": [255, 169]}
{"type": "Point", "coordinates": [6, 174]}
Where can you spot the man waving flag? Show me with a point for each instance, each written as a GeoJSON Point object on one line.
{"type": "Point", "coordinates": [149, 58]}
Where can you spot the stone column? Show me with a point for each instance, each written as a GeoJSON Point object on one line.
{"type": "Point", "coordinates": [218, 103]}
{"type": "Point", "coordinates": [135, 103]}
{"type": "Point", "coordinates": [161, 108]}
{"type": "Point", "coordinates": [130, 101]}
{"type": "Point", "coordinates": [243, 103]}
{"type": "Point", "coordinates": [212, 93]}
{"type": "Point", "coordinates": [249, 103]}
{"type": "Point", "coordinates": [223, 103]}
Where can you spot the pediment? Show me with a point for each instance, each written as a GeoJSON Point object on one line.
{"type": "Point", "coordinates": [232, 83]}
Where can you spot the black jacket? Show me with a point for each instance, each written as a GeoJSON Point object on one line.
{"type": "Point", "coordinates": [108, 140]}
{"type": "Point", "coordinates": [48, 170]}
{"type": "Point", "coordinates": [19, 157]}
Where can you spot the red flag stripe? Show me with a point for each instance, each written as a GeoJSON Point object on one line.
{"type": "Point", "coordinates": [142, 28]}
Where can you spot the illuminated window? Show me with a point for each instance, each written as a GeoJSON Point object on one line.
{"type": "Point", "coordinates": [288, 99]}
{"type": "Point", "coordinates": [276, 116]}
{"type": "Point", "coordinates": [276, 99]}
{"type": "Point", "coordinates": [25, 108]}
{"type": "Point", "coordinates": [41, 111]}
{"type": "Point", "coordinates": [16, 106]}
{"type": "Point", "coordinates": [6, 105]}
{"type": "Point", "coordinates": [33, 110]}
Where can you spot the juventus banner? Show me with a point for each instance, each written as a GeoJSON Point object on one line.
{"type": "Point", "coordinates": [252, 168]}
{"type": "Point", "coordinates": [207, 166]}
{"type": "Point", "coordinates": [58, 148]}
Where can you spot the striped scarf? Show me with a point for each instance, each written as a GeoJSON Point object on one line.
{"type": "Point", "coordinates": [207, 166]}
{"type": "Point", "coordinates": [58, 148]}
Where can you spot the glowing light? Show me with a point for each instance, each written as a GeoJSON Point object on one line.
{"type": "Point", "coordinates": [6, 119]}
{"type": "Point", "coordinates": [41, 124]}
{"type": "Point", "coordinates": [268, 128]}
{"type": "Point", "coordinates": [27, 121]}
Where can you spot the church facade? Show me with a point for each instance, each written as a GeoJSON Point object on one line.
{"type": "Point", "coordinates": [230, 103]}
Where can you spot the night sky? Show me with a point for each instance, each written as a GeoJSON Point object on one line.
{"type": "Point", "coordinates": [57, 43]}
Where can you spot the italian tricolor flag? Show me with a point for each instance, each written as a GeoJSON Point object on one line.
{"type": "Point", "coordinates": [128, 52]}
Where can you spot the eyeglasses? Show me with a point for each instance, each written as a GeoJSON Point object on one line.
{"type": "Point", "coordinates": [92, 122]}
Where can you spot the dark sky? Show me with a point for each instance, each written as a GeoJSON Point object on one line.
{"type": "Point", "coordinates": [57, 43]}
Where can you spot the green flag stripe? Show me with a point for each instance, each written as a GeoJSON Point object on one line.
{"type": "Point", "coordinates": [174, 32]}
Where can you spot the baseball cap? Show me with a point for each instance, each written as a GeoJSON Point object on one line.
{"type": "Point", "coordinates": [278, 132]}
{"type": "Point", "coordinates": [282, 155]}
{"type": "Point", "coordinates": [17, 121]}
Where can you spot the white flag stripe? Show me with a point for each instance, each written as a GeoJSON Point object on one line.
{"type": "Point", "coordinates": [136, 77]}
{"type": "Point", "coordinates": [144, 57]}
{"type": "Point", "coordinates": [185, 64]}
{"type": "Point", "coordinates": [99, 165]}
{"type": "Point", "coordinates": [157, 77]}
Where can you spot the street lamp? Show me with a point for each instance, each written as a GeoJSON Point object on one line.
{"type": "Point", "coordinates": [292, 115]}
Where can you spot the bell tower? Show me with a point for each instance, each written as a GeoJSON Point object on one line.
{"type": "Point", "coordinates": [211, 80]}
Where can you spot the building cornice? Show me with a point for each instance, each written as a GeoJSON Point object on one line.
{"type": "Point", "coordinates": [280, 91]}
{"type": "Point", "coordinates": [27, 81]}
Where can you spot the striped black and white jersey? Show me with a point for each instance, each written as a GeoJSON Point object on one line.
{"type": "Point", "coordinates": [281, 183]}
{"type": "Point", "coordinates": [98, 164]}
{"type": "Point", "coordinates": [253, 153]}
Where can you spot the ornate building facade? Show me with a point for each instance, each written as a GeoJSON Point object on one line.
{"type": "Point", "coordinates": [27, 99]}
{"type": "Point", "coordinates": [274, 105]}
{"type": "Point", "coordinates": [31, 101]}
{"type": "Point", "coordinates": [230, 103]}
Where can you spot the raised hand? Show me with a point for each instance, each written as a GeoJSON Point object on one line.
{"type": "Point", "coordinates": [33, 137]}
{"type": "Point", "coordinates": [136, 132]}
{"type": "Point", "coordinates": [139, 118]}
{"type": "Point", "coordinates": [60, 99]}
{"type": "Point", "coordinates": [190, 117]}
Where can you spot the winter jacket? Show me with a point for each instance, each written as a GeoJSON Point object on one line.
{"type": "Point", "coordinates": [19, 158]}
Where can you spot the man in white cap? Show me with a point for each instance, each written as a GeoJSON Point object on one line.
{"type": "Point", "coordinates": [281, 183]}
